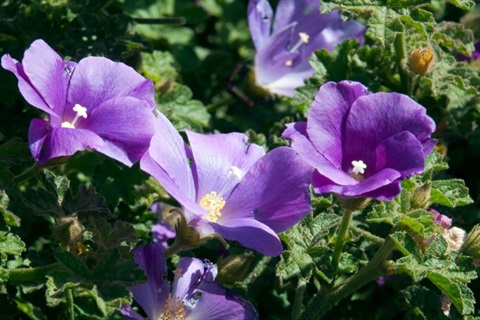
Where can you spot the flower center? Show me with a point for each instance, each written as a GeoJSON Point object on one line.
{"type": "Point", "coordinates": [81, 112]}
{"type": "Point", "coordinates": [304, 38]}
{"type": "Point", "coordinates": [213, 204]}
{"type": "Point", "coordinates": [173, 310]}
{"type": "Point", "coordinates": [358, 167]}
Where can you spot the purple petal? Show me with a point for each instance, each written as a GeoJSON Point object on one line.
{"type": "Point", "coordinates": [26, 88]}
{"type": "Point", "coordinates": [275, 189]}
{"type": "Point", "coordinates": [189, 272]}
{"type": "Point", "coordinates": [152, 295]}
{"type": "Point", "coordinates": [96, 80]}
{"type": "Point", "coordinates": [385, 193]}
{"type": "Point", "coordinates": [162, 231]}
{"type": "Point", "coordinates": [218, 303]}
{"type": "Point", "coordinates": [167, 161]}
{"type": "Point", "coordinates": [47, 143]}
{"type": "Point", "coordinates": [128, 313]}
{"type": "Point", "coordinates": [301, 143]}
{"type": "Point", "coordinates": [251, 234]}
{"type": "Point", "coordinates": [401, 152]}
{"type": "Point", "coordinates": [215, 155]}
{"type": "Point", "coordinates": [259, 21]}
{"type": "Point", "coordinates": [440, 219]}
{"type": "Point", "coordinates": [127, 126]}
{"type": "Point", "coordinates": [328, 115]}
{"type": "Point", "coordinates": [45, 70]}
{"type": "Point", "coordinates": [376, 117]}
{"type": "Point", "coordinates": [322, 184]}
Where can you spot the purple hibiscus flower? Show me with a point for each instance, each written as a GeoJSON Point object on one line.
{"type": "Point", "coordinates": [195, 293]}
{"type": "Point", "coordinates": [96, 104]}
{"type": "Point", "coordinates": [362, 144]}
{"type": "Point", "coordinates": [229, 187]}
{"type": "Point", "coordinates": [283, 51]}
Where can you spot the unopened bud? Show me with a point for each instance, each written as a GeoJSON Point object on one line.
{"type": "Point", "coordinates": [233, 268]}
{"type": "Point", "coordinates": [421, 196]}
{"type": "Point", "coordinates": [422, 60]}
{"type": "Point", "coordinates": [471, 246]}
{"type": "Point", "coordinates": [68, 231]}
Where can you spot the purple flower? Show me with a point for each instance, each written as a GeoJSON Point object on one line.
{"type": "Point", "coordinates": [195, 293]}
{"type": "Point", "coordinates": [284, 50]}
{"type": "Point", "coordinates": [96, 104]}
{"type": "Point", "coordinates": [162, 231]}
{"type": "Point", "coordinates": [230, 187]}
{"type": "Point", "coordinates": [475, 54]}
{"type": "Point", "coordinates": [362, 144]}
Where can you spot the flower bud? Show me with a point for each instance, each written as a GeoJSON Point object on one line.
{"type": "Point", "coordinates": [422, 60]}
{"type": "Point", "coordinates": [421, 196]}
{"type": "Point", "coordinates": [471, 246]}
{"type": "Point", "coordinates": [68, 231]}
{"type": "Point", "coordinates": [233, 268]}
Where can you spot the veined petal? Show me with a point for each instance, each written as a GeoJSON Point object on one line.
{"type": "Point", "coordinates": [26, 87]}
{"type": "Point", "coordinates": [45, 70]}
{"type": "Point", "coordinates": [98, 79]}
{"type": "Point", "coordinates": [259, 21]}
{"type": "Point", "coordinates": [189, 273]}
{"type": "Point", "coordinates": [128, 313]}
{"type": "Point", "coordinates": [215, 155]}
{"type": "Point", "coordinates": [401, 152]}
{"type": "Point", "coordinates": [374, 118]}
{"type": "Point", "coordinates": [152, 295]}
{"type": "Point", "coordinates": [328, 115]}
{"type": "Point", "coordinates": [126, 124]}
{"type": "Point", "coordinates": [47, 142]}
{"type": "Point", "coordinates": [321, 184]}
{"type": "Point", "coordinates": [301, 143]}
{"type": "Point", "coordinates": [218, 303]}
{"type": "Point", "coordinates": [251, 234]}
{"type": "Point", "coordinates": [274, 191]}
{"type": "Point", "coordinates": [167, 161]}
{"type": "Point", "coordinates": [289, 11]}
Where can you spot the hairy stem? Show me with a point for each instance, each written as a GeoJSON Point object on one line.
{"type": "Point", "coordinates": [29, 173]}
{"type": "Point", "coordinates": [70, 304]}
{"type": "Point", "coordinates": [38, 274]}
{"type": "Point", "coordinates": [341, 239]}
{"type": "Point", "coordinates": [322, 303]}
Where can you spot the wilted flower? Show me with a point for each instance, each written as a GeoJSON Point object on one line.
{"type": "Point", "coordinates": [362, 144]}
{"type": "Point", "coordinates": [421, 61]}
{"type": "Point", "coordinates": [455, 238]}
{"type": "Point", "coordinates": [195, 294]}
{"type": "Point", "coordinates": [230, 187]}
{"type": "Point", "coordinates": [96, 104]}
{"type": "Point", "coordinates": [283, 50]}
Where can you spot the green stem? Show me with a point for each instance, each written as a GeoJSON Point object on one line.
{"type": "Point", "coordinates": [175, 248]}
{"type": "Point", "coordinates": [31, 274]}
{"type": "Point", "coordinates": [322, 303]}
{"type": "Point", "coordinates": [29, 173]}
{"type": "Point", "coordinates": [298, 302]}
{"type": "Point", "coordinates": [367, 235]}
{"type": "Point", "coordinates": [341, 239]}
{"type": "Point", "coordinates": [401, 55]}
{"type": "Point", "coordinates": [70, 304]}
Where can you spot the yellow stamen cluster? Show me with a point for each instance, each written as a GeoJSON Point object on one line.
{"type": "Point", "coordinates": [173, 310]}
{"type": "Point", "coordinates": [213, 204]}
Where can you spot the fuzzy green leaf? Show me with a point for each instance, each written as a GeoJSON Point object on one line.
{"type": "Point", "coordinates": [450, 193]}
{"type": "Point", "coordinates": [306, 247]}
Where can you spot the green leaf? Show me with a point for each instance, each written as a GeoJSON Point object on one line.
{"type": "Point", "coordinates": [307, 250]}
{"type": "Point", "coordinates": [458, 293]}
{"type": "Point", "coordinates": [11, 244]}
{"type": "Point", "coordinates": [107, 237]}
{"type": "Point", "coordinates": [463, 4]}
{"type": "Point", "coordinates": [450, 193]}
{"type": "Point", "coordinates": [186, 113]}
{"type": "Point", "coordinates": [158, 66]}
